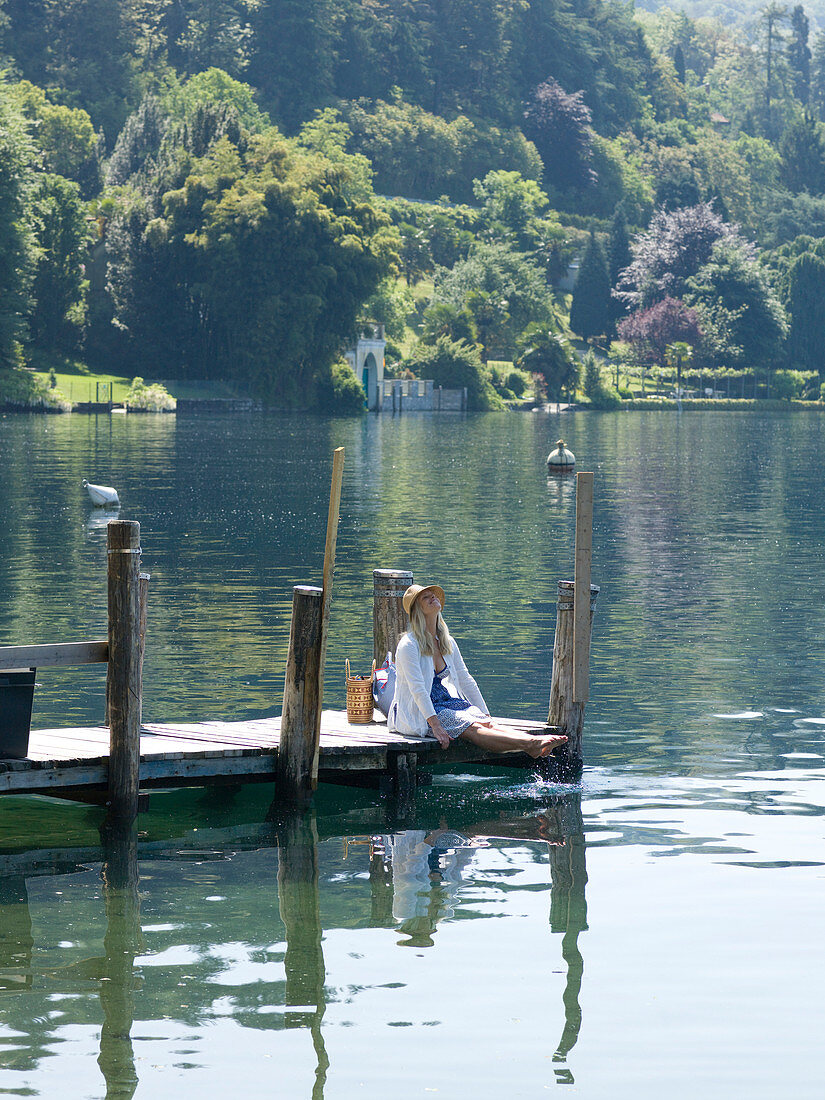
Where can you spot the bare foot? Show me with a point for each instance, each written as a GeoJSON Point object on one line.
{"type": "Point", "coordinates": [543, 746]}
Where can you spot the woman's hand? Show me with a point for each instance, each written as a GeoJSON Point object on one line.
{"type": "Point", "coordinates": [438, 731]}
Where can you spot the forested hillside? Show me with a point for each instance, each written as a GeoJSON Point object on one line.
{"type": "Point", "coordinates": [223, 188]}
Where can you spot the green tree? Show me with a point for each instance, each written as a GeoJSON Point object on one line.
{"type": "Point", "coordinates": [503, 289]}
{"type": "Point", "coordinates": [17, 247]}
{"type": "Point", "coordinates": [58, 216]}
{"type": "Point", "coordinates": [679, 63]}
{"type": "Point", "coordinates": [390, 304]}
{"type": "Point", "coordinates": [806, 305]}
{"type": "Point", "coordinates": [85, 48]}
{"type": "Point", "coordinates": [454, 365]}
{"type": "Point", "coordinates": [619, 257]}
{"type": "Point", "coordinates": [591, 311]}
{"type": "Point", "coordinates": [817, 95]}
{"type": "Point", "coordinates": [293, 53]}
{"type": "Point", "coordinates": [257, 268]}
{"type": "Point", "coordinates": [328, 134]}
{"type": "Point", "coordinates": [772, 17]}
{"type": "Point", "coordinates": [799, 54]}
{"type": "Point", "coordinates": [803, 155]}
{"type": "Point", "coordinates": [422, 155]}
{"type": "Point", "coordinates": [64, 136]}
{"type": "Point", "coordinates": [734, 281]}
{"type": "Point", "coordinates": [138, 143]}
{"type": "Point", "coordinates": [512, 204]}
{"type": "Point", "coordinates": [212, 34]}
{"type": "Point", "coordinates": [600, 394]}
{"type": "Point", "coordinates": [444, 319]}
{"type": "Point", "coordinates": [548, 355]}
{"type": "Point", "coordinates": [216, 86]}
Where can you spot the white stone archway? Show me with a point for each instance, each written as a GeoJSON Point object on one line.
{"type": "Point", "coordinates": [367, 362]}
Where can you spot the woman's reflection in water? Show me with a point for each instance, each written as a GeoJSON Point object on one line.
{"type": "Point", "coordinates": [426, 869]}
{"type": "Point", "coordinates": [420, 872]}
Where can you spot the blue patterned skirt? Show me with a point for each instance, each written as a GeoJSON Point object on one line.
{"type": "Point", "coordinates": [454, 714]}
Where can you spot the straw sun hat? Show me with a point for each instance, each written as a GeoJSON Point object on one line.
{"type": "Point", "coordinates": [415, 590]}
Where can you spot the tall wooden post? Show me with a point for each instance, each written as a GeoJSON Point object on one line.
{"type": "Point", "coordinates": [389, 620]}
{"type": "Point", "coordinates": [144, 600]}
{"type": "Point", "coordinates": [566, 711]}
{"type": "Point", "coordinates": [329, 572]}
{"type": "Point", "coordinates": [124, 680]}
{"type": "Point", "coordinates": [302, 687]}
{"type": "Point", "coordinates": [581, 600]}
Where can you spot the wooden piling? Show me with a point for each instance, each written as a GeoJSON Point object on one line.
{"type": "Point", "coordinates": [389, 618]}
{"type": "Point", "coordinates": [298, 745]}
{"type": "Point", "coordinates": [565, 711]}
{"type": "Point", "coordinates": [144, 599]}
{"type": "Point", "coordinates": [124, 674]}
{"type": "Point", "coordinates": [581, 610]}
{"type": "Point", "coordinates": [326, 600]}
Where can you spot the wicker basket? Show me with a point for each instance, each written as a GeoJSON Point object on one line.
{"type": "Point", "coordinates": [359, 696]}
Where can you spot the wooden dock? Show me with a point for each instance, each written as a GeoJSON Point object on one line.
{"type": "Point", "coordinates": [68, 762]}
{"type": "Point", "coordinates": [304, 745]}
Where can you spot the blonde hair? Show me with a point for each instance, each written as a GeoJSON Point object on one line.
{"type": "Point", "coordinates": [418, 628]}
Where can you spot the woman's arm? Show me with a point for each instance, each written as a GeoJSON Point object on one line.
{"type": "Point", "coordinates": [464, 682]}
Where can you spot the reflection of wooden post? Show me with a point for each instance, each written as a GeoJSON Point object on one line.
{"type": "Point", "coordinates": [564, 711]}
{"type": "Point", "coordinates": [381, 888]}
{"type": "Point", "coordinates": [124, 682]}
{"type": "Point", "coordinates": [568, 910]}
{"type": "Point", "coordinates": [16, 940]}
{"type": "Point", "coordinates": [581, 601]}
{"type": "Point", "coordinates": [299, 732]}
{"type": "Point", "coordinates": [301, 915]}
{"type": "Point", "coordinates": [121, 943]}
{"type": "Point", "coordinates": [389, 618]}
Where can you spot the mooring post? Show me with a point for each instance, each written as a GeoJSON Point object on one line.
{"type": "Point", "coordinates": [124, 673]}
{"type": "Point", "coordinates": [389, 619]}
{"type": "Point", "coordinates": [326, 599]}
{"type": "Point", "coordinates": [302, 686]}
{"type": "Point", "coordinates": [581, 594]}
{"type": "Point", "coordinates": [144, 599]}
{"type": "Point", "coordinates": [566, 711]}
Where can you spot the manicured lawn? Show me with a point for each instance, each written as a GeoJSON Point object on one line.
{"type": "Point", "coordinates": [84, 387]}
{"type": "Point", "coordinates": [78, 383]}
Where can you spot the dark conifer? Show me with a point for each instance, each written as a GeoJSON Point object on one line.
{"type": "Point", "coordinates": [806, 305]}
{"type": "Point", "coordinates": [591, 309]}
{"type": "Point", "coordinates": [799, 54]}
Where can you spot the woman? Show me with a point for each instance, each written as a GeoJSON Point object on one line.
{"type": "Point", "coordinates": [436, 695]}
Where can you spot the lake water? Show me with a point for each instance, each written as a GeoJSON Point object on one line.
{"type": "Point", "coordinates": [656, 931]}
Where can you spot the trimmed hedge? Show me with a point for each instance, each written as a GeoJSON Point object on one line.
{"type": "Point", "coordinates": [721, 404]}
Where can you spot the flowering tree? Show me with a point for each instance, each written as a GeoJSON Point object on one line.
{"type": "Point", "coordinates": [651, 330]}
{"type": "Point", "coordinates": [673, 248]}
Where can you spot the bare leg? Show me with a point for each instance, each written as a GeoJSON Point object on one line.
{"type": "Point", "coordinates": [495, 739]}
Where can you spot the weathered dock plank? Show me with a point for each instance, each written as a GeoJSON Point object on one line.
{"type": "Point", "coordinates": [198, 753]}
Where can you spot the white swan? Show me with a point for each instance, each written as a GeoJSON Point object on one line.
{"type": "Point", "coordinates": [103, 496]}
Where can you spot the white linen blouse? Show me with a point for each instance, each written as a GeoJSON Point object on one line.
{"type": "Point", "coordinates": [414, 673]}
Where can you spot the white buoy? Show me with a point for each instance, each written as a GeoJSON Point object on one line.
{"type": "Point", "coordinates": [103, 496]}
{"type": "Point", "coordinates": [560, 461]}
